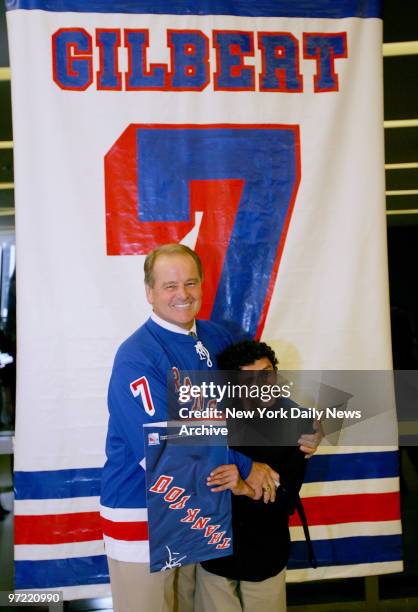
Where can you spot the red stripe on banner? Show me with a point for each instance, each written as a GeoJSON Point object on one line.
{"type": "Point", "coordinates": [74, 527]}
{"type": "Point", "coordinates": [58, 528]}
{"type": "Point", "coordinates": [331, 510]}
{"type": "Point", "coordinates": [130, 531]}
{"type": "Point", "coordinates": [88, 526]}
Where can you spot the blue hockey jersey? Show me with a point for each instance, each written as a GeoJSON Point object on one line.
{"type": "Point", "coordinates": [138, 395]}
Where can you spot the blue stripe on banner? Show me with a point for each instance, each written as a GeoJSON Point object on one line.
{"type": "Point", "coordinates": [57, 484]}
{"type": "Point", "coordinates": [327, 9]}
{"type": "Point", "coordinates": [94, 570]}
{"type": "Point", "coordinates": [352, 466]}
{"type": "Point", "coordinates": [347, 551]}
{"type": "Point", "coordinates": [61, 572]}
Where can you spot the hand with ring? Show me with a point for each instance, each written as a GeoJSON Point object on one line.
{"type": "Point", "coordinates": [263, 479]}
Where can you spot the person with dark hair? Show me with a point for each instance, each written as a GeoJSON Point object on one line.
{"type": "Point", "coordinates": [253, 577]}
{"type": "Point", "coordinates": [246, 353]}
{"type": "Point", "coordinates": [170, 341]}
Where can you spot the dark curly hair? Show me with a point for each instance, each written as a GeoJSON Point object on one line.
{"type": "Point", "coordinates": [245, 353]}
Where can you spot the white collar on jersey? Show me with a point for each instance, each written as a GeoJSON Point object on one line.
{"type": "Point", "coordinates": [171, 327]}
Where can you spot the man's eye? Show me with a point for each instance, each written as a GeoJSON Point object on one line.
{"type": "Point", "coordinates": [170, 287]}
{"type": "Point", "coordinates": [191, 284]}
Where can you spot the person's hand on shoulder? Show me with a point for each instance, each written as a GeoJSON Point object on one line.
{"type": "Point", "coordinates": [308, 443]}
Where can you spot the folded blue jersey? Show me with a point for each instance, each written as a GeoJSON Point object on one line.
{"type": "Point", "coordinates": [187, 522]}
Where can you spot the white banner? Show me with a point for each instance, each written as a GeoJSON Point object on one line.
{"type": "Point", "coordinates": [255, 137]}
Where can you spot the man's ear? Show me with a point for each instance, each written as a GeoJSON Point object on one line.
{"type": "Point", "coordinates": [149, 294]}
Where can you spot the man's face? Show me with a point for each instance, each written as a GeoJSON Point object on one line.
{"type": "Point", "coordinates": [264, 365]}
{"type": "Point", "coordinates": [176, 295]}
{"type": "Point", "coordinates": [259, 364]}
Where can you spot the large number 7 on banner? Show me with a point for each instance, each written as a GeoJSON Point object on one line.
{"type": "Point", "coordinates": [243, 178]}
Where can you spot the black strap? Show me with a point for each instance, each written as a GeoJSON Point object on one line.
{"type": "Point", "coordinates": [301, 511]}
